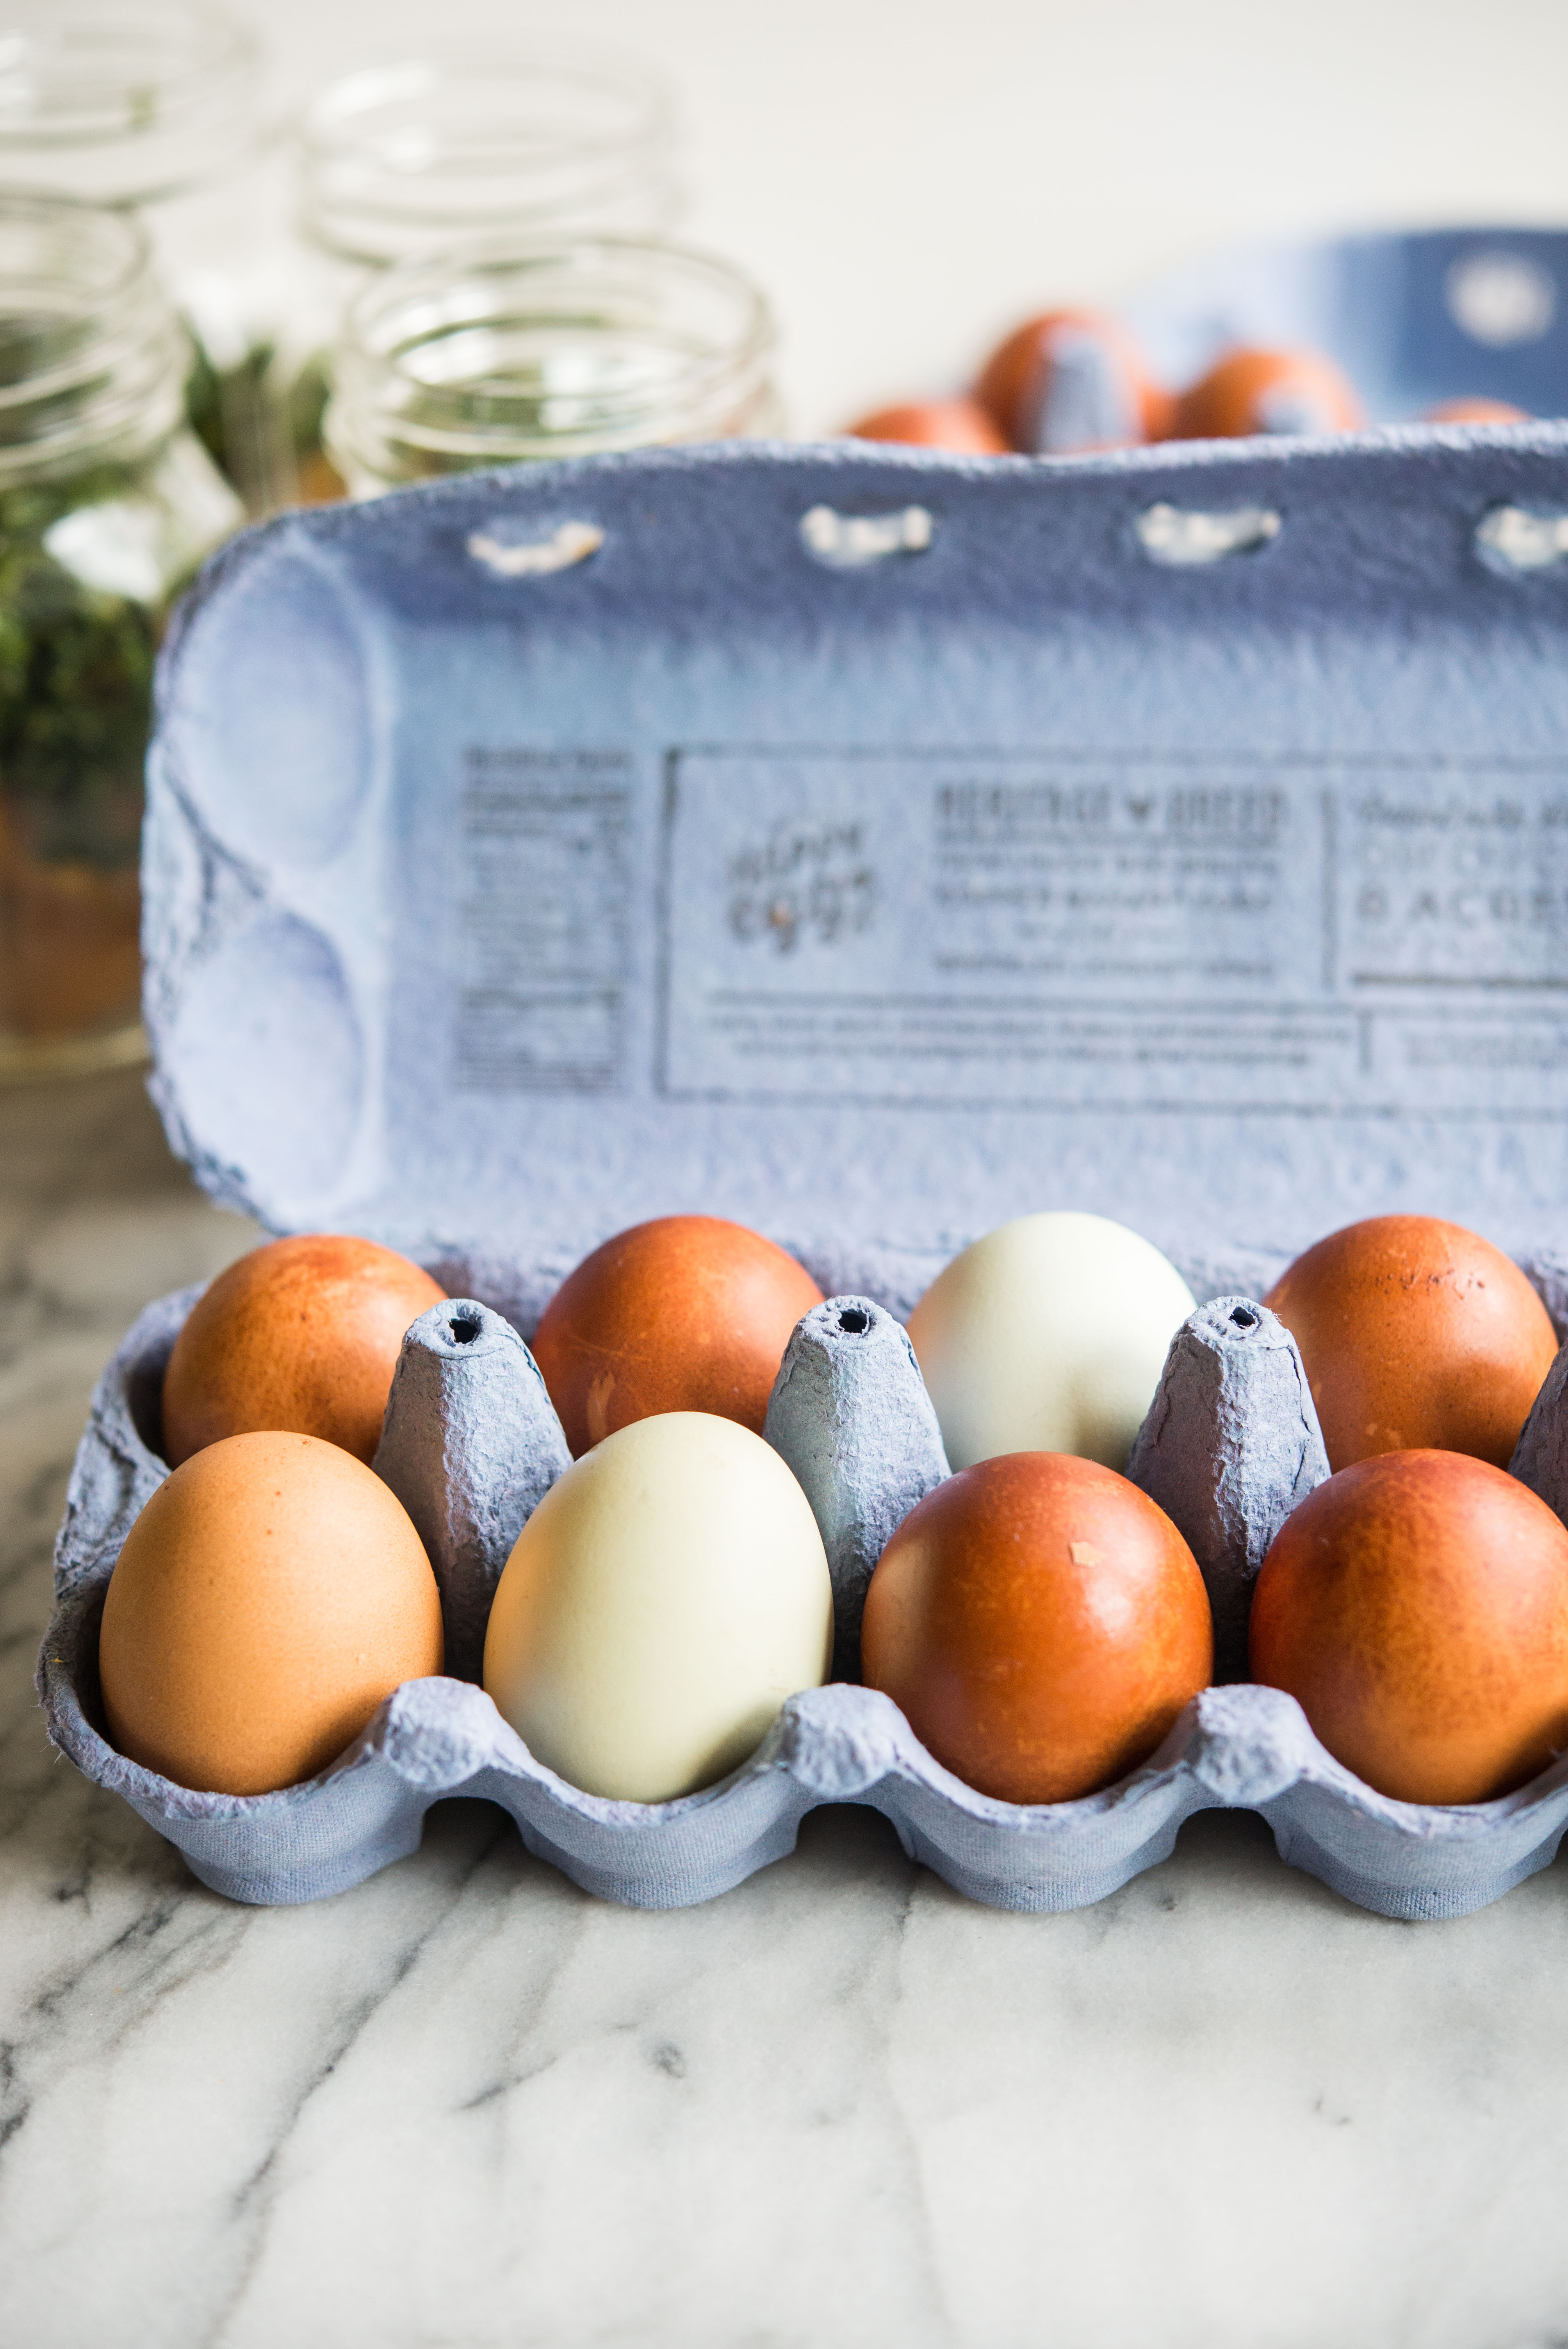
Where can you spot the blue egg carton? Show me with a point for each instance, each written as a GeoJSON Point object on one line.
{"type": "Point", "coordinates": [868, 846]}
{"type": "Point", "coordinates": [471, 1444]}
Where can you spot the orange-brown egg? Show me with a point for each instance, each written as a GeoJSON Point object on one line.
{"type": "Point", "coordinates": [1415, 1334]}
{"type": "Point", "coordinates": [301, 1334]}
{"type": "Point", "coordinates": [1475, 409]}
{"type": "Point", "coordinates": [1267, 391]}
{"type": "Point", "coordinates": [686, 1313]}
{"type": "Point", "coordinates": [269, 1595]}
{"type": "Point", "coordinates": [1041, 1623]}
{"type": "Point", "coordinates": [1415, 1607]}
{"type": "Point", "coordinates": [1070, 381]}
{"type": "Point", "coordinates": [960, 425]}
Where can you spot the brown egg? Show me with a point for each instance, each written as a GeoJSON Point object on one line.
{"type": "Point", "coordinates": [268, 1596]}
{"type": "Point", "coordinates": [302, 1334]}
{"type": "Point", "coordinates": [961, 425]}
{"type": "Point", "coordinates": [1072, 380]}
{"type": "Point", "coordinates": [687, 1313]}
{"type": "Point", "coordinates": [1041, 1623]}
{"type": "Point", "coordinates": [1476, 410]}
{"type": "Point", "coordinates": [1267, 391]}
{"type": "Point", "coordinates": [1415, 1334]}
{"type": "Point", "coordinates": [1415, 1607]}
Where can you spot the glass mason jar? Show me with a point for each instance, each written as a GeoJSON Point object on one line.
{"type": "Point", "coordinates": [403, 158]}
{"type": "Point", "coordinates": [157, 106]}
{"type": "Point", "coordinates": [108, 503]}
{"type": "Point", "coordinates": [502, 352]}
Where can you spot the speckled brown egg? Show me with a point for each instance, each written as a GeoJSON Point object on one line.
{"type": "Point", "coordinates": [1267, 391]}
{"type": "Point", "coordinates": [962, 426]}
{"type": "Point", "coordinates": [269, 1595]}
{"type": "Point", "coordinates": [1070, 381]}
{"type": "Point", "coordinates": [303, 1335]}
{"type": "Point", "coordinates": [1415, 1334]}
{"type": "Point", "coordinates": [1415, 1607]}
{"type": "Point", "coordinates": [685, 1313]}
{"type": "Point", "coordinates": [1040, 1622]}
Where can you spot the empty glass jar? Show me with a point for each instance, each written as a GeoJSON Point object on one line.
{"type": "Point", "coordinates": [546, 351]}
{"type": "Point", "coordinates": [404, 158]}
{"type": "Point", "coordinates": [108, 503]}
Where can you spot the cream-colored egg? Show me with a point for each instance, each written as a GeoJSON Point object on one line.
{"type": "Point", "coordinates": [1048, 1335]}
{"type": "Point", "coordinates": [665, 1596]}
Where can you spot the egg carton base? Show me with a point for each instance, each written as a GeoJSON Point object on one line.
{"type": "Point", "coordinates": [1420, 1904]}
{"type": "Point", "coordinates": [1238, 1747]}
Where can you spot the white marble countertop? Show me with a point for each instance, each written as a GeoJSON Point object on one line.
{"type": "Point", "coordinates": [465, 2105]}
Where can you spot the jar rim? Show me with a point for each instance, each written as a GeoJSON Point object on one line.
{"type": "Point", "coordinates": [117, 235]}
{"type": "Point", "coordinates": [82, 98]}
{"type": "Point", "coordinates": [399, 290]}
{"type": "Point", "coordinates": [340, 121]}
{"type": "Point", "coordinates": [125, 101]}
{"type": "Point", "coordinates": [656, 341]}
{"type": "Point", "coordinates": [409, 152]}
{"type": "Point", "coordinates": [92, 358]}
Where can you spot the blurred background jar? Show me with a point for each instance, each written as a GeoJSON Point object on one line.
{"type": "Point", "coordinates": [518, 351]}
{"type": "Point", "coordinates": [107, 504]}
{"type": "Point", "coordinates": [159, 107]}
{"type": "Point", "coordinates": [401, 159]}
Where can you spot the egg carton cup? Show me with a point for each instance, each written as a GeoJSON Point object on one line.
{"type": "Point", "coordinates": [471, 1444]}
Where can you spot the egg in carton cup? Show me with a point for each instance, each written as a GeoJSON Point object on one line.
{"type": "Point", "coordinates": [870, 846]}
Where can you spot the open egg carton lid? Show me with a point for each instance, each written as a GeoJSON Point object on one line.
{"type": "Point", "coordinates": [872, 846]}
{"type": "Point", "coordinates": [1414, 318]}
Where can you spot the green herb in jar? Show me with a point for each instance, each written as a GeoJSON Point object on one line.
{"type": "Point", "coordinates": [107, 504]}
{"type": "Point", "coordinates": [76, 685]}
